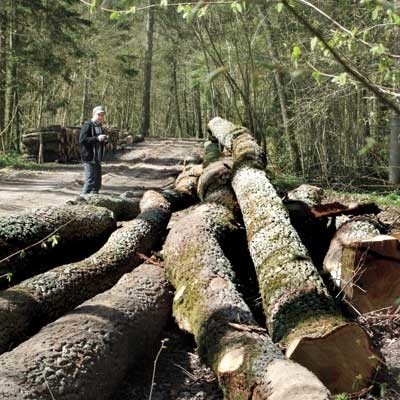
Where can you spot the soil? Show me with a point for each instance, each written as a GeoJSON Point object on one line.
{"type": "Point", "coordinates": [153, 164]}
{"type": "Point", "coordinates": [175, 372]}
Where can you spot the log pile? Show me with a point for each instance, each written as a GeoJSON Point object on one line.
{"type": "Point", "coordinates": [306, 349]}
{"type": "Point", "coordinates": [31, 304]}
{"type": "Point", "coordinates": [300, 313]}
{"type": "Point", "coordinates": [50, 141]}
{"type": "Point", "coordinates": [207, 304]}
{"type": "Point", "coordinates": [86, 353]}
{"type": "Point", "coordinates": [72, 143]}
{"type": "Point", "coordinates": [59, 144]}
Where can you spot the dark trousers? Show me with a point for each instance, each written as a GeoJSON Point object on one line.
{"type": "Point", "coordinates": [92, 177]}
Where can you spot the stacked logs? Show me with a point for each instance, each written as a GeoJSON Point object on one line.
{"type": "Point", "coordinates": [49, 143]}
{"type": "Point", "coordinates": [72, 143]}
{"type": "Point", "coordinates": [26, 307]}
{"type": "Point", "coordinates": [207, 303]}
{"type": "Point", "coordinates": [59, 144]}
{"type": "Point", "coordinates": [301, 316]}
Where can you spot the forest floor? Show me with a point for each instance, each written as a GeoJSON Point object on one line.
{"type": "Point", "coordinates": [176, 372]}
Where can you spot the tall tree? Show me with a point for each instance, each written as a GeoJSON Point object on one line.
{"type": "Point", "coordinates": [148, 61]}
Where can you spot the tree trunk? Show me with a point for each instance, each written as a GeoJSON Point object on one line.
{"type": "Point", "coordinates": [248, 365]}
{"type": "Point", "coordinates": [294, 152]}
{"type": "Point", "coordinates": [85, 93]}
{"type": "Point", "coordinates": [85, 354]}
{"type": "Point", "coordinates": [147, 71]}
{"type": "Point", "coordinates": [184, 193]}
{"type": "Point", "coordinates": [176, 96]}
{"type": "Point", "coordinates": [123, 208]}
{"type": "Point", "coordinates": [36, 301]}
{"type": "Point", "coordinates": [11, 72]}
{"type": "Point", "coordinates": [296, 304]}
{"type": "Point", "coordinates": [394, 153]}
{"type": "Point", "coordinates": [3, 65]}
{"type": "Point", "coordinates": [197, 112]}
{"type": "Point", "coordinates": [26, 239]}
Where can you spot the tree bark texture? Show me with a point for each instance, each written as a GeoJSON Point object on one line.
{"type": "Point", "coordinates": [148, 60]}
{"type": "Point", "coordinates": [43, 298]}
{"type": "Point", "coordinates": [123, 208]}
{"type": "Point", "coordinates": [184, 193]}
{"type": "Point", "coordinates": [78, 229]}
{"type": "Point", "coordinates": [207, 304]}
{"type": "Point", "coordinates": [85, 354]}
{"type": "Point", "coordinates": [309, 194]}
{"type": "Point", "coordinates": [297, 306]}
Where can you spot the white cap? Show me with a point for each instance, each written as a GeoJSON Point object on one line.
{"type": "Point", "coordinates": [98, 110]}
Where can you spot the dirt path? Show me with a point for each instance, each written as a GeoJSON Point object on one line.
{"type": "Point", "coordinates": [152, 164]}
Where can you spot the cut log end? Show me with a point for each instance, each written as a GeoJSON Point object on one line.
{"type": "Point", "coordinates": [371, 273]}
{"type": "Point", "coordinates": [231, 361]}
{"type": "Point", "coordinates": [342, 359]}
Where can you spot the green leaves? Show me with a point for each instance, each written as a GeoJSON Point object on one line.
{"type": "Point", "coordinates": [93, 6]}
{"type": "Point", "coordinates": [378, 49]}
{"type": "Point", "coordinates": [238, 6]}
{"type": "Point", "coordinates": [115, 15]}
{"type": "Point", "coordinates": [340, 79]}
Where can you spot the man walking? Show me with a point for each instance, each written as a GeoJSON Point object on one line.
{"type": "Point", "coordinates": [92, 141]}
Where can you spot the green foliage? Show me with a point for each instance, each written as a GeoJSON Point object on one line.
{"type": "Point", "coordinates": [342, 396]}
{"type": "Point", "coordinates": [15, 160]}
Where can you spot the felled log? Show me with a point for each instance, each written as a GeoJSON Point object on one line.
{"type": "Point", "coordinates": [85, 354]}
{"type": "Point", "coordinates": [71, 232]}
{"type": "Point", "coordinates": [248, 365]}
{"type": "Point", "coordinates": [211, 152]}
{"type": "Point", "coordinates": [370, 273]}
{"type": "Point", "coordinates": [309, 194]}
{"type": "Point", "coordinates": [184, 192]}
{"type": "Point", "coordinates": [123, 208]}
{"type": "Point", "coordinates": [352, 230]}
{"type": "Point", "coordinates": [297, 306]}
{"type": "Point", "coordinates": [43, 298]}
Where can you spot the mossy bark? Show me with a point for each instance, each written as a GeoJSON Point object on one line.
{"type": "Point", "coordinates": [295, 301]}
{"type": "Point", "coordinates": [208, 305]}
{"type": "Point", "coordinates": [43, 298]}
{"type": "Point", "coordinates": [85, 354]}
{"type": "Point", "coordinates": [75, 227]}
{"type": "Point", "coordinates": [184, 192]}
{"type": "Point", "coordinates": [123, 208]}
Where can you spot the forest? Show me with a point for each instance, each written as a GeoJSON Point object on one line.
{"type": "Point", "coordinates": [245, 242]}
{"type": "Point", "coordinates": [316, 81]}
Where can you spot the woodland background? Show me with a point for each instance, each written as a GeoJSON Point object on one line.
{"type": "Point", "coordinates": [316, 81]}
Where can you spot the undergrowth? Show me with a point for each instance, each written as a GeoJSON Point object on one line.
{"type": "Point", "coordinates": [383, 195]}
{"type": "Point", "coordinates": [15, 160]}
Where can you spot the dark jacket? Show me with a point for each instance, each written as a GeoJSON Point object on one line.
{"type": "Point", "coordinates": [91, 149]}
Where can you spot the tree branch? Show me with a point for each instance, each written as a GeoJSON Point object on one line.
{"type": "Point", "coordinates": [353, 72]}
